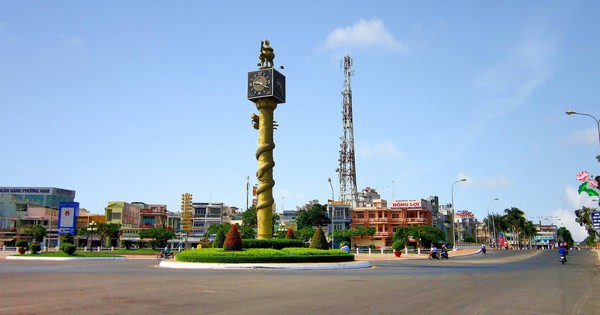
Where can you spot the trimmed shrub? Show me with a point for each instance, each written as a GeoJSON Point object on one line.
{"type": "Point", "coordinates": [22, 244]}
{"type": "Point", "coordinates": [290, 234]}
{"type": "Point", "coordinates": [68, 248]}
{"type": "Point", "coordinates": [275, 243]}
{"type": "Point", "coordinates": [264, 255]}
{"type": "Point", "coordinates": [318, 240]}
{"type": "Point", "coordinates": [233, 240]}
{"type": "Point", "coordinates": [35, 248]}
{"type": "Point", "coordinates": [219, 239]}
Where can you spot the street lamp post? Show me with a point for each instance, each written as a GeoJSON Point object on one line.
{"type": "Point", "coordinates": [572, 112]}
{"type": "Point", "coordinates": [452, 196]}
{"type": "Point", "coordinates": [488, 211]}
{"type": "Point", "coordinates": [332, 211]}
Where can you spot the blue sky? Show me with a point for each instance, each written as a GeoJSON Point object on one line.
{"type": "Point", "coordinates": [144, 100]}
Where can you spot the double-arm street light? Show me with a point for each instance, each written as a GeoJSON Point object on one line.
{"type": "Point", "coordinates": [572, 112]}
{"type": "Point", "coordinates": [452, 196]}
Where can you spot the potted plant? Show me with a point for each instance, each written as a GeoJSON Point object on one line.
{"type": "Point", "coordinates": [398, 246]}
{"type": "Point", "coordinates": [22, 246]}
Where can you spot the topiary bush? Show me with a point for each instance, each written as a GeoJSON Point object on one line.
{"type": "Point", "coordinates": [35, 248]}
{"type": "Point", "coordinates": [68, 248]}
{"type": "Point", "coordinates": [21, 244]}
{"type": "Point", "coordinates": [233, 240]}
{"type": "Point", "coordinates": [219, 239]}
{"type": "Point", "coordinates": [290, 234]}
{"type": "Point", "coordinates": [318, 240]}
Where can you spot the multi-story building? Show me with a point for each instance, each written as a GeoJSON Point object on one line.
{"type": "Point", "coordinates": [14, 202]}
{"type": "Point", "coordinates": [385, 220]}
{"type": "Point", "coordinates": [465, 224]}
{"type": "Point", "coordinates": [367, 196]}
{"type": "Point", "coordinates": [205, 214]}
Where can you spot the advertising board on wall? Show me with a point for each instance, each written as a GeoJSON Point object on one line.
{"type": "Point", "coordinates": [410, 204]}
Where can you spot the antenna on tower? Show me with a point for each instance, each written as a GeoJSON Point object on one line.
{"type": "Point", "coordinates": [347, 168]}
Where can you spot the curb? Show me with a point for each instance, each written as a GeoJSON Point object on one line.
{"type": "Point", "coordinates": [63, 258]}
{"type": "Point", "coordinates": [305, 266]}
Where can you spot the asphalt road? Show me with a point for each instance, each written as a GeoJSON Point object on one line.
{"type": "Point", "coordinates": [501, 282]}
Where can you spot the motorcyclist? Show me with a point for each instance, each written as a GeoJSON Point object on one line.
{"type": "Point", "coordinates": [444, 251]}
{"type": "Point", "coordinates": [167, 251]}
{"type": "Point", "coordinates": [562, 251]}
{"type": "Point", "coordinates": [434, 251]}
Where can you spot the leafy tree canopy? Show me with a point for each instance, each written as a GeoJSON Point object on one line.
{"type": "Point", "coordinates": [311, 215]}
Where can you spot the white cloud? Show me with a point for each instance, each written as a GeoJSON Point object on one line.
{"type": "Point", "coordinates": [499, 181]}
{"type": "Point", "coordinates": [511, 82]}
{"type": "Point", "coordinates": [73, 40]}
{"type": "Point", "coordinates": [385, 150]}
{"type": "Point", "coordinates": [589, 136]}
{"type": "Point", "coordinates": [372, 33]}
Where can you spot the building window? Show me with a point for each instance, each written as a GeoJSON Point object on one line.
{"type": "Point", "coordinates": [116, 216]}
{"type": "Point", "coordinates": [360, 215]}
{"type": "Point", "coordinates": [395, 215]}
{"type": "Point", "coordinates": [371, 215]}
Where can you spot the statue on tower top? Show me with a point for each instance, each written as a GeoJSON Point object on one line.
{"type": "Point", "coordinates": [266, 55]}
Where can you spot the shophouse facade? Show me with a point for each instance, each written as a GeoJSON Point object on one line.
{"type": "Point", "coordinates": [385, 220]}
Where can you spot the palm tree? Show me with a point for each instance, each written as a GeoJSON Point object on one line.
{"type": "Point", "coordinates": [529, 231]}
{"type": "Point", "coordinates": [516, 220]}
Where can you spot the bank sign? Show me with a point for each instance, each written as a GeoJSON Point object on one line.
{"type": "Point", "coordinates": [67, 217]}
{"type": "Point", "coordinates": [410, 204]}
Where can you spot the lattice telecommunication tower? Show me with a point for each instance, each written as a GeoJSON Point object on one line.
{"type": "Point", "coordinates": [347, 168]}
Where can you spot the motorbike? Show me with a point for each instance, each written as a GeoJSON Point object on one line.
{"type": "Point", "coordinates": [483, 250]}
{"type": "Point", "coordinates": [444, 254]}
{"type": "Point", "coordinates": [162, 255]}
{"type": "Point", "coordinates": [434, 255]}
{"type": "Point", "coordinates": [562, 259]}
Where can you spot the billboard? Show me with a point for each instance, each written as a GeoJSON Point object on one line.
{"type": "Point", "coordinates": [67, 217]}
{"type": "Point", "coordinates": [410, 204]}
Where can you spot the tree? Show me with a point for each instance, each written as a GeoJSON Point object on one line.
{"type": "Point", "coordinates": [318, 240]}
{"type": "Point", "coordinates": [564, 235]}
{"type": "Point", "coordinates": [219, 238]}
{"type": "Point", "coordinates": [214, 228]}
{"type": "Point", "coordinates": [426, 234]}
{"type": "Point", "coordinates": [233, 241]}
{"type": "Point", "coordinates": [529, 231]}
{"type": "Point", "coordinates": [305, 234]}
{"type": "Point", "coordinates": [312, 214]}
{"type": "Point", "coordinates": [107, 229]}
{"type": "Point", "coordinates": [37, 232]}
{"type": "Point", "coordinates": [515, 218]}
{"type": "Point", "coordinates": [249, 218]}
{"type": "Point", "coordinates": [160, 236]}
{"type": "Point", "coordinates": [584, 218]}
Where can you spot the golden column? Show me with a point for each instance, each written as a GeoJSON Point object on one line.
{"type": "Point", "coordinates": [266, 88]}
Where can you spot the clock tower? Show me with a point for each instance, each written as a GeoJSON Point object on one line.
{"type": "Point", "coordinates": [266, 88]}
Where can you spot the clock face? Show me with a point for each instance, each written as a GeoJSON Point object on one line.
{"type": "Point", "coordinates": [260, 84]}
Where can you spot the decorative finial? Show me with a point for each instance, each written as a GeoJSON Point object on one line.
{"type": "Point", "coordinates": [266, 55]}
